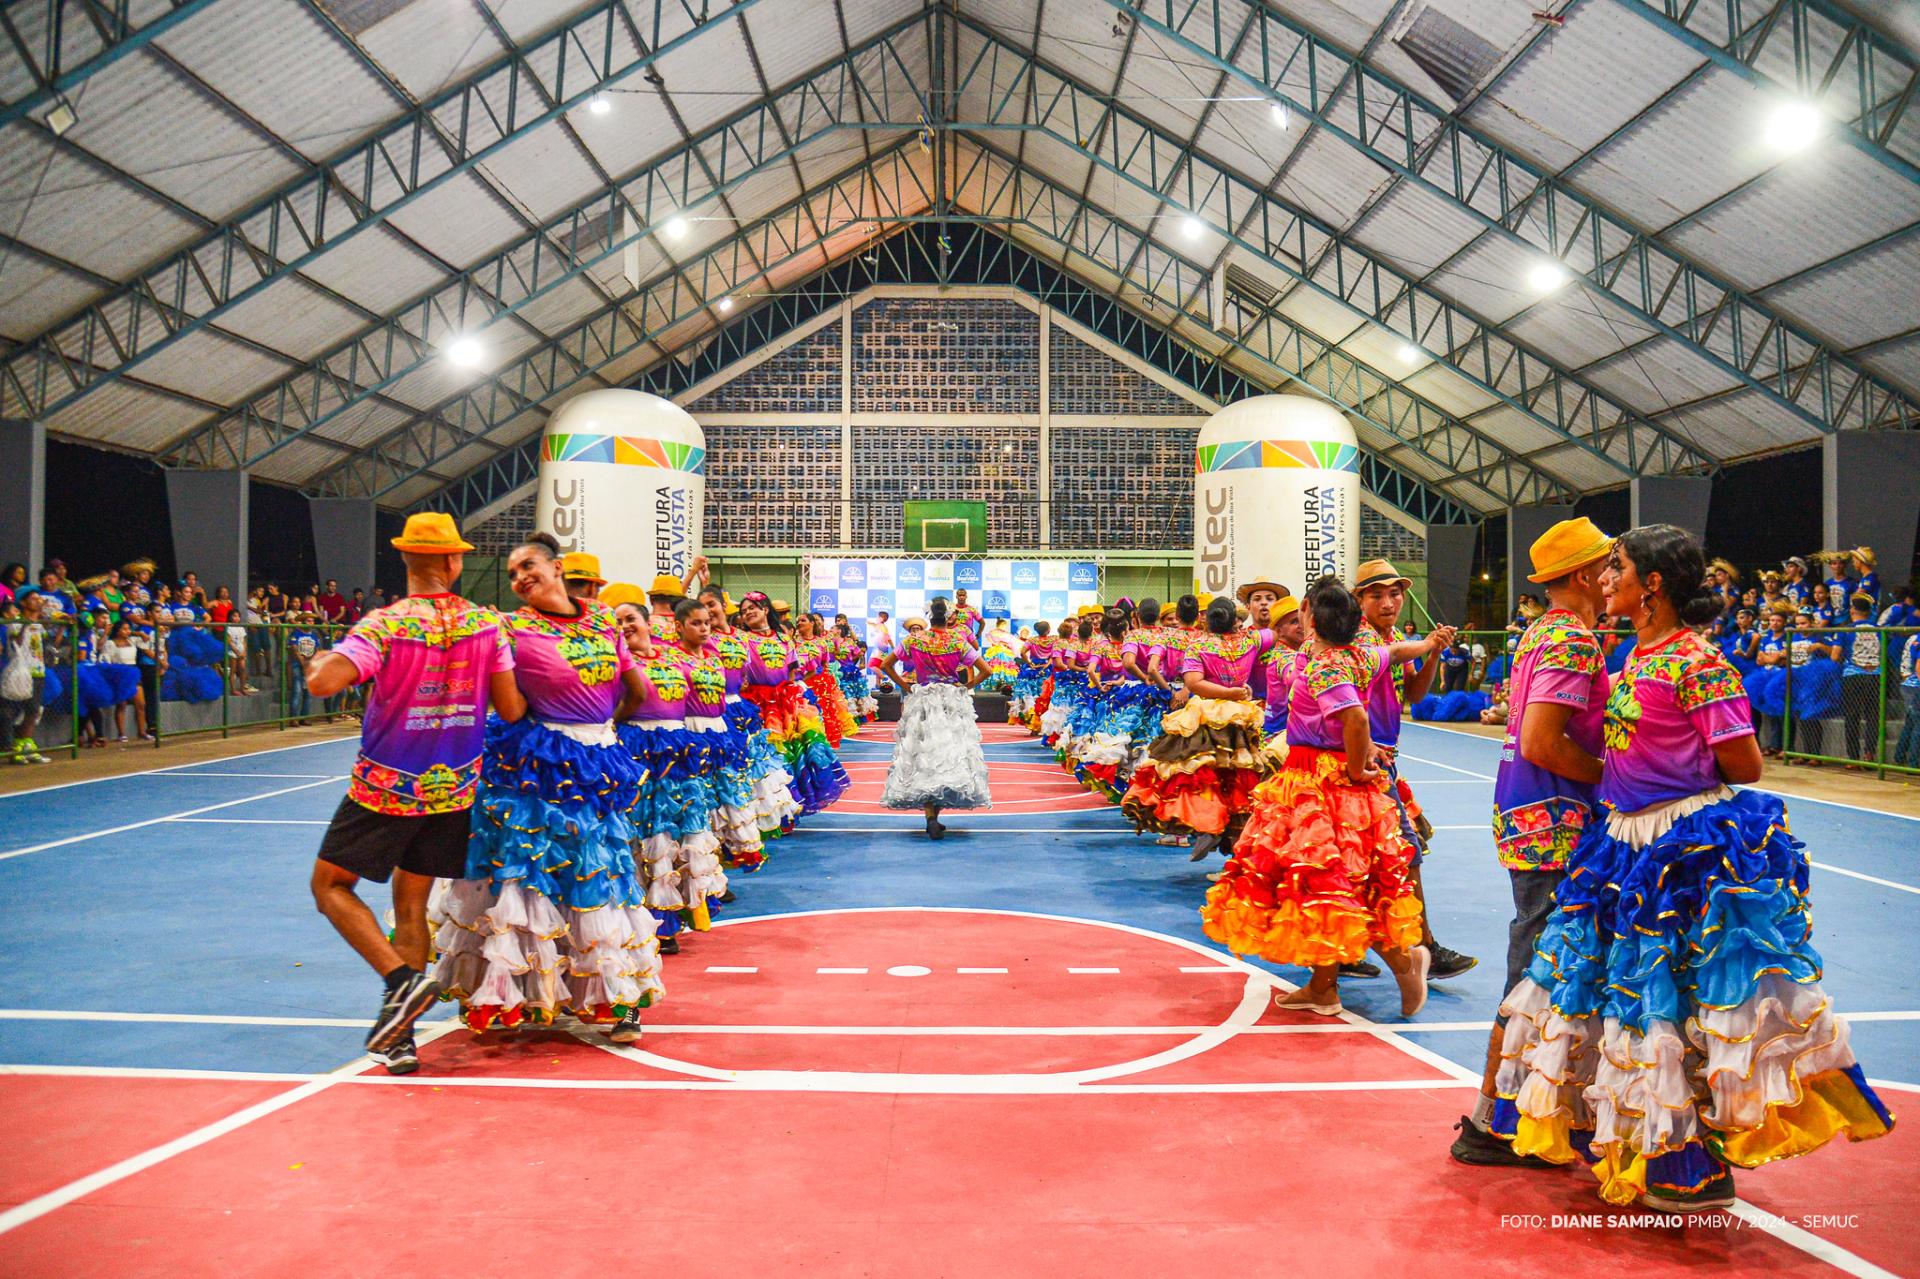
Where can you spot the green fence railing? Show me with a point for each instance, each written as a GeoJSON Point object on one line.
{"type": "Point", "coordinates": [1850, 697]}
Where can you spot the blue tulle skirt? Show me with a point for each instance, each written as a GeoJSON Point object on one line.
{"type": "Point", "coordinates": [1672, 1020]}
{"type": "Point", "coordinates": [102, 686]}
{"type": "Point", "coordinates": [556, 814]}
{"type": "Point", "coordinates": [191, 684]}
{"type": "Point", "coordinates": [1812, 691]}
{"type": "Point", "coordinates": [677, 798]}
{"type": "Point", "coordinates": [195, 647]}
{"type": "Point", "coordinates": [1767, 689]}
{"type": "Point", "coordinates": [1456, 707]}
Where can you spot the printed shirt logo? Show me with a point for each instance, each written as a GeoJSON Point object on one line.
{"type": "Point", "coordinates": [624, 450]}
{"type": "Point", "coordinates": [937, 643]}
{"type": "Point", "coordinates": [732, 650]}
{"type": "Point", "coordinates": [1250, 455]}
{"type": "Point", "coordinates": [668, 678]}
{"type": "Point", "coordinates": [1337, 666]}
{"type": "Point", "coordinates": [587, 643]}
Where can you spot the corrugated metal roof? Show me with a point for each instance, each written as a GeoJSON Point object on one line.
{"type": "Point", "coordinates": [1868, 297]}
{"type": "Point", "coordinates": [1899, 361]}
{"type": "Point", "coordinates": [1415, 229]}
{"type": "Point", "coordinates": [125, 416]}
{"type": "Point", "coordinates": [716, 61]}
{"type": "Point", "coordinates": [1331, 180]}
{"type": "Point", "coordinates": [291, 315]}
{"type": "Point", "coordinates": [429, 44]}
{"type": "Point", "coordinates": [458, 221]}
{"type": "Point", "coordinates": [35, 294]}
{"type": "Point", "coordinates": [1694, 146]}
{"type": "Point", "coordinates": [79, 213]}
{"type": "Point", "coordinates": [212, 367]}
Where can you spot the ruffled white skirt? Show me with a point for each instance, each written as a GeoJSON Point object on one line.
{"type": "Point", "coordinates": [936, 752]}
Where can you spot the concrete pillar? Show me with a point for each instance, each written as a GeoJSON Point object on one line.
{"type": "Point", "coordinates": [1449, 570]}
{"type": "Point", "coordinates": [208, 511]}
{"type": "Point", "coordinates": [1870, 496]}
{"type": "Point", "coordinates": [1525, 524]}
{"type": "Point", "coordinates": [1680, 500]}
{"type": "Point", "coordinates": [343, 541]}
{"type": "Point", "coordinates": [23, 495]}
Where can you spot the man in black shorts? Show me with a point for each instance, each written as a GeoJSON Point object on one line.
{"type": "Point", "coordinates": [436, 661]}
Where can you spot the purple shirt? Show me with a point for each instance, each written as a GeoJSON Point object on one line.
{"type": "Point", "coordinates": [1328, 683]}
{"type": "Point", "coordinates": [1141, 643]}
{"type": "Point", "coordinates": [1538, 815]}
{"type": "Point", "coordinates": [706, 681]}
{"type": "Point", "coordinates": [731, 649]}
{"type": "Point", "coordinates": [1227, 660]}
{"type": "Point", "coordinates": [1283, 666]}
{"type": "Point", "coordinates": [768, 659]}
{"type": "Point", "coordinates": [1103, 658]}
{"type": "Point", "coordinates": [938, 656]}
{"type": "Point", "coordinates": [665, 677]}
{"type": "Point", "coordinates": [1669, 708]}
{"type": "Point", "coordinates": [569, 668]}
{"type": "Point", "coordinates": [431, 658]}
{"type": "Point", "coordinates": [1383, 699]}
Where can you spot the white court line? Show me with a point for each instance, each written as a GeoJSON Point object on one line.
{"type": "Point", "coordinates": [725, 968]}
{"type": "Point", "coordinates": [174, 768]}
{"type": "Point", "coordinates": [171, 817]}
{"type": "Point", "coordinates": [841, 972]}
{"type": "Point", "coordinates": [1422, 759]}
{"type": "Point", "coordinates": [1090, 971]}
{"type": "Point", "coordinates": [975, 972]}
{"type": "Point", "coordinates": [190, 1019]}
{"type": "Point", "coordinates": [182, 773]}
{"type": "Point", "coordinates": [253, 821]}
{"type": "Point", "coordinates": [38, 1207]}
{"type": "Point", "coordinates": [1871, 879]}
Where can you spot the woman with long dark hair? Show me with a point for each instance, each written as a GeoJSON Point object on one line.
{"type": "Point", "coordinates": [793, 724]}
{"type": "Point", "coordinates": [1672, 1024]}
{"type": "Point", "coordinates": [552, 914]}
{"type": "Point", "coordinates": [937, 761]}
{"type": "Point", "coordinates": [812, 660]}
{"type": "Point", "coordinates": [771, 802]}
{"type": "Point", "coordinates": [1321, 873]}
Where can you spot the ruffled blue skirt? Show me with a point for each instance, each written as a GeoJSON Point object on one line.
{"type": "Point", "coordinates": [1812, 691]}
{"type": "Point", "coordinates": [555, 813]}
{"type": "Point", "coordinates": [191, 684]}
{"type": "Point", "coordinates": [102, 686]}
{"type": "Point", "coordinates": [678, 796]}
{"type": "Point", "coordinates": [193, 647]}
{"type": "Point", "coordinates": [1767, 689]}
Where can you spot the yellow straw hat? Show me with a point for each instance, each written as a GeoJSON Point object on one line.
{"type": "Point", "coordinates": [912, 622]}
{"type": "Point", "coordinates": [781, 606]}
{"type": "Point", "coordinates": [614, 594]}
{"type": "Point", "coordinates": [669, 585]}
{"type": "Point", "coordinates": [578, 566]}
{"type": "Point", "coordinates": [1378, 573]}
{"type": "Point", "coordinates": [431, 533]}
{"type": "Point", "coordinates": [1865, 555]}
{"type": "Point", "coordinates": [1568, 545]}
{"type": "Point", "coordinates": [1169, 611]}
{"type": "Point", "coordinates": [1284, 608]}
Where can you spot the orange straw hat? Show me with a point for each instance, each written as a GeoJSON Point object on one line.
{"type": "Point", "coordinates": [614, 594]}
{"type": "Point", "coordinates": [578, 566]}
{"type": "Point", "coordinates": [431, 533]}
{"type": "Point", "coordinates": [669, 585]}
{"type": "Point", "coordinates": [1568, 545]}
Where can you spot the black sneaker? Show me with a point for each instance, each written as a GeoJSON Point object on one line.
{"type": "Point", "coordinates": [401, 1059]}
{"type": "Point", "coordinates": [1361, 969]}
{"type": "Point", "coordinates": [627, 1029]}
{"type": "Point", "coordinates": [1447, 963]}
{"type": "Point", "coordinates": [669, 945]}
{"type": "Point", "coordinates": [727, 898]}
{"type": "Point", "coordinates": [401, 1008]}
{"type": "Point", "coordinates": [1716, 1193]}
{"type": "Point", "coordinates": [934, 829]}
{"type": "Point", "coordinates": [1484, 1150]}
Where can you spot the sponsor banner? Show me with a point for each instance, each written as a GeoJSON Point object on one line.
{"type": "Point", "coordinates": [910, 573]}
{"type": "Point", "coordinates": [825, 573]}
{"type": "Point", "coordinates": [879, 602]}
{"type": "Point", "coordinates": [997, 575]}
{"type": "Point", "coordinates": [880, 574]}
{"type": "Point", "coordinates": [853, 574]}
{"type": "Point", "coordinates": [1053, 605]}
{"type": "Point", "coordinates": [939, 575]}
{"type": "Point", "coordinates": [1053, 575]}
{"type": "Point", "coordinates": [905, 587]}
{"type": "Point", "coordinates": [1024, 575]}
{"type": "Point", "coordinates": [856, 604]}
{"type": "Point", "coordinates": [1026, 604]}
{"type": "Point", "coordinates": [995, 604]}
{"type": "Point", "coordinates": [824, 602]}
{"type": "Point", "coordinates": [1083, 575]}
{"type": "Point", "coordinates": [967, 575]}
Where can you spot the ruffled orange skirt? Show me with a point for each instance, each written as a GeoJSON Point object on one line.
{"type": "Point", "coordinates": [1319, 875]}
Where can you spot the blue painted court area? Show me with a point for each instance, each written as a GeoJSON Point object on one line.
{"type": "Point", "coordinates": [183, 892]}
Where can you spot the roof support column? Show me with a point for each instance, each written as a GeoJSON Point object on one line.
{"type": "Point", "coordinates": [1680, 500]}
{"type": "Point", "coordinates": [343, 540]}
{"type": "Point", "coordinates": [1525, 524]}
{"type": "Point", "coordinates": [1870, 496]}
{"type": "Point", "coordinates": [1450, 571]}
{"type": "Point", "coordinates": [208, 511]}
{"type": "Point", "coordinates": [23, 495]}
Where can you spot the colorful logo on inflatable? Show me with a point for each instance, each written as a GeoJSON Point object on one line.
{"type": "Point", "coordinates": [1248, 455]}
{"type": "Point", "coordinates": [624, 450]}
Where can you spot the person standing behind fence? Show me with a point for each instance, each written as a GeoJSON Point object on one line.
{"type": "Point", "coordinates": [1809, 686]}
{"type": "Point", "coordinates": [1907, 753]}
{"type": "Point", "coordinates": [1860, 680]}
{"type": "Point", "coordinates": [436, 662]}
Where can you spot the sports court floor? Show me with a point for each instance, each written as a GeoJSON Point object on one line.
{"type": "Point", "coordinates": [1010, 1053]}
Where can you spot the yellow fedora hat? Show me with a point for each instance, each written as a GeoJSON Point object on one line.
{"type": "Point", "coordinates": [431, 533]}
{"type": "Point", "coordinates": [1568, 545]}
{"type": "Point", "coordinates": [578, 566]}
{"type": "Point", "coordinates": [1284, 608]}
{"type": "Point", "coordinates": [614, 594]}
{"type": "Point", "coordinates": [668, 584]}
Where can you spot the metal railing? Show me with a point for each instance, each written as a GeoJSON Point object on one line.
{"type": "Point", "coordinates": [191, 679]}
{"type": "Point", "coordinates": [1855, 689]}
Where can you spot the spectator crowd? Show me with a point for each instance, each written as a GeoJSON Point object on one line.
{"type": "Point", "coordinates": [114, 645]}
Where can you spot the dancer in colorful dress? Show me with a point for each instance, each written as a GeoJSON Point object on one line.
{"type": "Point", "coordinates": [849, 657]}
{"type": "Point", "coordinates": [1281, 666]}
{"type": "Point", "coordinates": [963, 616]}
{"type": "Point", "coordinates": [1069, 682]}
{"type": "Point", "coordinates": [661, 757]}
{"type": "Point", "coordinates": [1121, 709]}
{"type": "Point", "coordinates": [812, 655]}
{"type": "Point", "coordinates": [551, 915]}
{"type": "Point", "coordinates": [793, 724]}
{"type": "Point", "coordinates": [1382, 592]}
{"type": "Point", "coordinates": [770, 785]}
{"type": "Point", "coordinates": [937, 760]}
{"type": "Point", "coordinates": [1672, 1026]}
{"type": "Point", "coordinates": [1000, 650]}
{"type": "Point", "coordinates": [1035, 664]}
{"type": "Point", "coordinates": [1200, 771]}
{"type": "Point", "coordinates": [1543, 796]}
{"type": "Point", "coordinates": [1320, 873]}
{"type": "Point", "coordinates": [436, 662]}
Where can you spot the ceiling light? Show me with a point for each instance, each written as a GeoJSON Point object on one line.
{"type": "Point", "coordinates": [1191, 228]}
{"type": "Point", "coordinates": [726, 304]}
{"type": "Point", "coordinates": [466, 352]}
{"type": "Point", "coordinates": [1793, 126]}
{"type": "Point", "coordinates": [676, 228]}
{"type": "Point", "coordinates": [599, 104]}
{"type": "Point", "coordinates": [62, 117]}
{"type": "Point", "coordinates": [1409, 353]}
{"type": "Point", "coordinates": [1546, 276]}
{"type": "Point", "coordinates": [1279, 113]}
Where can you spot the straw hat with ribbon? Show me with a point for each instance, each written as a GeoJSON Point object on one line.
{"type": "Point", "coordinates": [666, 584]}
{"type": "Point", "coordinates": [431, 533]}
{"type": "Point", "coordinates": [1568, 545]}
{"type": "Point", "coordinates": [578, 566]}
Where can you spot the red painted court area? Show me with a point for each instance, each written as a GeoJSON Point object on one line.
{"type": "Point", "coordinates": [889, 1092]}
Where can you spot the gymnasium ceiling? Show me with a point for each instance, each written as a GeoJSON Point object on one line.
{"type": "Point", "coordinates": [361, 246]}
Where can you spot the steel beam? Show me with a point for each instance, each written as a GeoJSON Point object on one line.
{"type": "Point", "coordinates": [565, 248]}
{"type": "Point", "coordinates": [1285, 238]}
{"type": "Point", "coordinates": [356, 188]}
{"type": "Point", "coordinates": [1815, 51]}
{"type": "Point", "coordinates": [62, 43]}
{"type": "Point", "coordinates": [1402, 131]}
